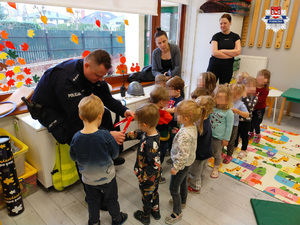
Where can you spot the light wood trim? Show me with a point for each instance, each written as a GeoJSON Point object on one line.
{"type": "Point", "coordinates": [262, 25]}
{"type": "Point", "coordinates": [271, 106]}
{"type": "Point", "coordinates": [281, 111]}
{"type": "Point", "coordinates": [155, 22]}
{"type": "Point", "coordinates": [279, 35]}
{"type": "Point", "coordinates": [245, 30]}
{"type": "Point", "coordinates": [292, 22]}
{"type": "Point", "coordinates": [254, 23]}
{"type": "Point", "coordinates": [182, 28]}
{"type": "Point", "coordinates": [288, 108]}
{"type": "Point", "coordinates": [271, 32]}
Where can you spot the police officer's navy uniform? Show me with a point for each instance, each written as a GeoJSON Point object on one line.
{"type": "Point", "coordinates": [60, 90]}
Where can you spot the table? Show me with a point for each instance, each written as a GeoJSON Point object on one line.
{"type": "Point", "coordinates": [274, 94]}
{"type": "Point", "coordinates": [290, 95]}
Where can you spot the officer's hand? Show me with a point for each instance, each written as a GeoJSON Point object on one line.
{"type": "Point", "coordinates": [119, 136]}
{"type": "Point", "coordinates": [128, 113]}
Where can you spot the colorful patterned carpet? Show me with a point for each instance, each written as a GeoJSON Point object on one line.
{"type": "Point", "coordinates": [272, 166]}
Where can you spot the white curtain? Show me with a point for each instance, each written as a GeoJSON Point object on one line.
{"type": "Point", "coordinates": [146, 7]}
{"type": "Point", "coordinates": [184, 2]}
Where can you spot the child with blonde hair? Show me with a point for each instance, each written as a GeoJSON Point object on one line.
{"type": "Point", "coordinates": [183, 154]}
{"type": "Point", "coordinates": [250, 101]}
{"type": "Point", "coordinates": [94, 151]}
{"type": "Point", "coordinates": [262, 91]}
{"type": "Point", "coordinates": [199, 92]}
{"type": "Point", "coordinates": [207, 80]}
{"type": "Point", "coordinates": [239, 109]}
{"type": "Point", "coordinates": [160, 80]}
{"type": "Point", "coordinates": [221, 120]}
{"type": "Point", "coordinates": [204, 146]}
{"type": "Point", "coordinates": [241, 76]}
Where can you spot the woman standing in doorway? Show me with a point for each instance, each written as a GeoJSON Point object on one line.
{"type": "Point", "coordinates": [166, 59]}
{"type": "Point", "coordinates": [225, 46]}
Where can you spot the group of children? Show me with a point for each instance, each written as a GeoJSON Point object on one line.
{"type": "Point", "coordinates": [193, 130]}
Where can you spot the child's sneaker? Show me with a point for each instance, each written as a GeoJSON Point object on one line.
{"type": "Point", "coordinates": [227, 159]}
{"type": "Point", "coordinates": [250, 135]}
{"type": "Point", "coordinates": [242, 154]}
{"type": "Point", "coordinates": [190, 189]}
{"type": "Point", "coordinates": [257, 138]}
{"type": "Point", "coordinates": [156, 214]}
{"type": "Point", "coordinates": [139, 215]}
{"type": "Point", "coordinates": [171, 203]}
{"type": "Point", "coordinates": [214, 173]}
{"type": "Point", "coordinates": [121, 220]}
{"type": "Point", "coordinates": [173, 218]}
{"type": "Point", "coordinates": [162, 180]}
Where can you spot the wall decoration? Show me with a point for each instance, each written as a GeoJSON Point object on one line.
{"type": "Point", "coordinates": [70, 10]}
{"type": "Point", "coordinates": [30, 33]}
{"type": "Point", "coordinates": [97, 22]}
{"type": "Point", "coordinates": [292, 26]}
{"type": "Point", "coordinates": [279, 35]}
{"type": "Point", "coordinates": [4, 35]}
{"type": "Point", "coordinates": [9, 44]}
{"type": "Point", "coordinates": [85, 53]}
{"type": "Point", "coordinates": [262, 25]}
{"type": "Point", "coordinates": [74, 39]}
{"type": "Point", "coordinates": [24, 46]}
{"type": "Point", "coordinates": [120, 39]}
{"type": "Point", "coordinates": [12, 4]}
{"type": "Point", "coordinates": [126, 22]}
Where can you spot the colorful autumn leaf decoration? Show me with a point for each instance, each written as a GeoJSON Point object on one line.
{"type": "Point", "coordinates": [70, 10]}
{"type": "Point", "coordinates": [4, 35]}
{"type": "Point", "coordinates": [2, 47]}
{"type": "Point", "coordinates": [74, 38]}
{"type": "Point", "coordinates": [120, 39]}
{"type": "Point", "coordinates": [3, 55]}
{"type": "Point", "coordinates": [126, 22]}
{"type": "Point", "coordinates": [5, 88]}
{"type": "Point", "coordinates": [44, 19]}
{"type": "Point", "coordinates": [17, 69]}
{"type": "Point", "coordinates": [10, 62]}
{"type": "Point", "coordinates": [12, 54]}
{"type": "Point", "coordinates": [24, 46]}
{"type": "Point", "coordinates": [97, 22]}
{"type": "Point", "coordinates": [2, 76]}
{"type": "Point", "coordinates": [12, 4]}
{"type": "Point", "coordinates": [27, 71]}
{"type": "Point", "coordinates": [137, 67]}
{"type": "Point", "coordinates": [9, 44]}
{"type": "Point", "coordinates": [19, 84]}
{"type": "Point", "coordinates": [85, 53]}
{"type": "Point", "coordinates": [36, 78]}
{"type": "Point", "coordinates": [11, 82]}
{"type": "Point", "coordinates": [28, 81]}
{"type": "Point", "coordinates": [21, 61]}
{"type": "Point", "coordinates": [132, 68]}
{"type": "Point", "coordinates": [3, 66]}
{"type": "Point", "coordinates": [20, 77]}
{"type": "Point", "coordinates": [30, 33]}
{"type": "Point", "coordinates": [9, 73]}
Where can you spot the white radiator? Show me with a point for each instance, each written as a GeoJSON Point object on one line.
{"type": "Point", "coordinates": [251, 64]}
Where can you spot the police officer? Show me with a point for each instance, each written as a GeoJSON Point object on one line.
{"type": "Point", "coordinates": [62, 87]}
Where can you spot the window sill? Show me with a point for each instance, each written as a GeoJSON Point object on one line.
{"type": "Point", "coordinates": [115, 81]}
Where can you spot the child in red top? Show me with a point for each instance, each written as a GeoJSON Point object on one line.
{"type": "Point", "coordinates": [262, 91]}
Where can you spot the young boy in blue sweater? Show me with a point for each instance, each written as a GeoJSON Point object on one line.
{"type": "Point", "coordinates": [94, 151]}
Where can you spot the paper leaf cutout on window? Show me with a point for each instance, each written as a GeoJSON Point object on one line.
{"type": "Point", "coordinates": [12, 4]}
{"type": "Point", "coordinates": [122, 59]}
{"type": "Point", "coordinates": [24, 46]}
{"type": "Point", "coordinates": [85, 53]}
{"type": "Point", "coordinates": [120, 39]}
{"type": "Point", "coordinates": [12, 54]}
{"type": "Point", "coordinates": [74, 38]}
{"type": "Point", "coordinates": [2, 47]}
{"type": "Point", "coordinates": [28, 81]}
{"type": "Point", "coordinates": [4, 35]}
{"type": "Point", "coordinates": [3, 55]}
{"type": "Point", "coordinates": [11, 82]}
{"type": "Point", "coordinates": [97, 22]}
{"type": "Point", "coordinates": [21, 61]}
{"type": "Point", "coordinates": [30, 33]}
{"type": "Point", "coordinates": [17, 69]}
{"type": "Point", "coordinates": [5, 88]}
{"type": "Point", "coordinates": [126, 22]}
{"type": "Point", "coordinates": [3, 67]}
{"type": "Point", "coordinates": [20, 77]}
{"type": "Point", "coordinates": [10, 62]}
{"type": "Point", "coordinates": [70, 10]}
{"type": "Point", "coordinates": [44, 19]}
{"type": "Point", "coordinates": [137, 67]}
{"type": "Point", "coordinates": [19, 84]}
{"type": "Point", "coordinates": [36, 78]}
{"type": "Point", "coordinates": [2, 76]}
{"type": "Point", "coordinates": [27, 71]}
{"type": "Point", "coordinates": [9, 73]}
{"type": "Point", "coordinates": [9, 44]}
{"type": "Point", "coordinates": [132, 68]}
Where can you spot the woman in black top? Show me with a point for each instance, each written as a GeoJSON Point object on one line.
{"type": "Point", "coordinates": [225, 46]}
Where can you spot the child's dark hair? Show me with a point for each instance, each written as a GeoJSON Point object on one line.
{"type": "Point", "coordinates": [159, 94]}
{"type": "Point", "coordinates": [227, 16]}
{"type": "Point", "coordinates": [159, 32]}
{"type": "Point", "coordinates": [199, 92]}
{"type": "Point", "coordinates": [148, 114]}
{"type": "Point", "coordinates": [175, 82]}
{"type": "Point", "coordinates": [266, 74]}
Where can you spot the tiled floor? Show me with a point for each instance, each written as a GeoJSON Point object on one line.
{"type": "Point", "coordinates": [221, 201]}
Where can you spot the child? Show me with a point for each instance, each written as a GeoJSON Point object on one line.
{"type": "Point", "coordinates": [183, 154]}
{"type": "Point", "coordinates": [160, 97]}
{"type": "Point", "coordinates": [94, 151]}
{"type": "Point", "coordinates": [160, 80]}
{"type": "Point", "coordinates": [221, 121]}
{"type": "Point", "coordinates": [204, 146]}
{"type": "Point", "coordinates": [147, 166]}
{"type": "Point", "coordinates": [239, 109]}
{"type": "Point", "coordinates": [244, 124]}
{"type": "Point", "coordinates": [207, 80]}
{"type": "Point", "coordinates": [241, 76]}
{"type": "Point", "coordinates": [262, 91]}
{"type": "Point", "coordinates": [199, 92]}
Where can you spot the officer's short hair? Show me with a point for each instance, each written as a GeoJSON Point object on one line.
{"type": "Point", "coordinates": [99, 57]}
{"type": "Point", "coordinates": [90, 108]}
{"type": "Point", "coordinates": [148, 114]}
